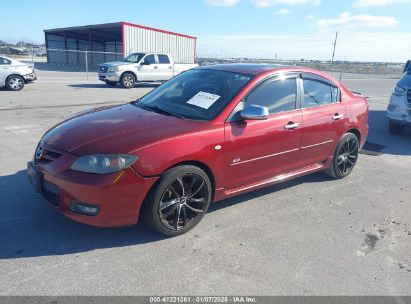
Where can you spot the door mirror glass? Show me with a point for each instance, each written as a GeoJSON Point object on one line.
{"type": "Point", "coordinates": [254, 112]}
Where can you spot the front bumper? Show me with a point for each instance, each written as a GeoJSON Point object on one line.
{"type": "Point", "coordinates": [399, 111]}
{"type": "Point", "coordinates": [30, 77]}
{"type": "Point", "coordinates": [117, 196]}
{"type": "Point", "coordinates": [113, 77]}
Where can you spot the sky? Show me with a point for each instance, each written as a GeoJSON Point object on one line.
{"type": "Point", "coordinates": [368, 30]}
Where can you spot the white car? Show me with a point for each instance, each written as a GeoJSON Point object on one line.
{"type": "Point", "coordinates": [141, 67]}
{"type": "Point", "coordinates": [14, 74]}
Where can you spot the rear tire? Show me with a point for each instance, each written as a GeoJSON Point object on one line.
{"type": "Point", "coordinates": [345, 157]}
{"type": "Point", "coordinates": [15, 83]}
{"type": "Point", "coordinates": [128, 80]}
{"type": "Point", "coordinates": [178, 201]}
{"type": "Point", "coordinates": [111, 83]}
{"type": "Point", "coordinates": [395, 128]}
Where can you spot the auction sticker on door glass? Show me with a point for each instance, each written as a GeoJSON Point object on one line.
{"type": "Point", "coordinates": [203, 99]}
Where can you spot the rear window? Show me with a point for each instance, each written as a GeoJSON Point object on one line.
{"type": "Point", "coordinates": [163, 59]}
{"type": "Point", "coordinates": [4, 61]}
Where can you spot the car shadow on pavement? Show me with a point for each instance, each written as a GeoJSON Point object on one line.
{"type": "Point", "coordinates": [104, 86]}
{"type": "Point", "coordinates": [30, 227]}
{"type": "Point", "coordinates": [380, 140]}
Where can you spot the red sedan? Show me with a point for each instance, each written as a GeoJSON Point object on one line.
{"type": "Point", "coordinates": [207, 134]}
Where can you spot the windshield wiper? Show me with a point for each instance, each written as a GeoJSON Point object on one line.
{"type": "Point", "coordinates": [160, 110]}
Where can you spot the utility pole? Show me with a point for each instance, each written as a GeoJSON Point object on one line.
{"type": "Point", "coordinates": [334, 44]}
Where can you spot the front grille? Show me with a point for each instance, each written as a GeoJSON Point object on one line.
{"type": "Point", "coordinates": [48, 156]}
{"type": "Point", "coordinates": [103, 69]}
{"type": "Point", "coordinates": [50, 192]}
{"type": "Point", "coordinates": [409, 97]}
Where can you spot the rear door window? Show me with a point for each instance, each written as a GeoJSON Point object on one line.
{"type": "Point", "coordinates": [163, 59]}
{"type": "Point", "coordinates": [318, 92]}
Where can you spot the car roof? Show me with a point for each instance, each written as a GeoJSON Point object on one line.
{"type": "Point", "coordinates": [258, 68]}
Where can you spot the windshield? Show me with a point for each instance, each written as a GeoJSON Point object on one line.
{"type": "Point", "coordinates": [198, 94]}
{"type": "Point", "coordinates": [135, 57]}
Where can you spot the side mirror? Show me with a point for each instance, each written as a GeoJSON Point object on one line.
{"type": "Point", "coordinates": [254, 112]}
{"type": "Point", "coordinates": [407, 66]}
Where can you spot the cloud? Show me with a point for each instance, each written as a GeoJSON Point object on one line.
{"type": "Point", "coordinates": [221, 2]}
{"type": "Point", "coordinates": [367, 3]}
{"type": "Point", "coordinates": [358, 46]}
{"type": "Point", "coordinates": [345, 20]}
{"type": "Point", "coordinates": [283, 11]}
{"type": "Point", "coordinates": [268, 3]}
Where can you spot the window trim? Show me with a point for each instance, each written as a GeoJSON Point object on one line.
{"type": "Point", "coordinates": [271, 78]}
{"type": "Point", "coordinates": [318, 78]}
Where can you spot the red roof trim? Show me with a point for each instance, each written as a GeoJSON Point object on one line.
{"type": "Point", "coordinates": [157, 30]}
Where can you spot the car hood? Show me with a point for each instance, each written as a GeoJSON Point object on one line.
{"type": "Point", "coordinates": [405, 82]}
{"type": "Point", "coordinates": [116, 63]}
{"type": "Point", "coordinates": [117, 129]}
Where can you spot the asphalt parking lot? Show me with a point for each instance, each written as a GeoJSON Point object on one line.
{"type": "Point", "coordinates": [309, 236]}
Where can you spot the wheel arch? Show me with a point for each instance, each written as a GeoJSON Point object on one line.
{"type": "Point", "coordinates": [129, 72]}
{"type": "Point", "coordinates": [356, 132]}
{"type": "Point", "coordinates": [200, 165]}
{"type": "Point", "coordinates": [14, 74]}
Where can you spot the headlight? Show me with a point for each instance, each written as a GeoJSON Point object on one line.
{"type": "Point", "coordinates": [399, 91]}
{"type": "Point", "coordinates": [103, 163]}
{"type": "Point", "coordinates": [112, 69]}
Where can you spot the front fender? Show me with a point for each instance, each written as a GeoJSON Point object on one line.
{"type": "Point", "coordinates": [200, 147]}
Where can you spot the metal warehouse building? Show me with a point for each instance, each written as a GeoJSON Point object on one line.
{"type": "Point", "coordinates": [112, 41]}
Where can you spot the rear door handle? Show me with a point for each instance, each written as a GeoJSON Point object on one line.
{"type": "Point", "coordinates": [291, 125]}
{"type": "Point", "coordinates": [155, 68]}
{"type": "Point", "coordinates": [338, 116]}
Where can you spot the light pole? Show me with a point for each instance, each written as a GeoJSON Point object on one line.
{"type": "Point", "coordinates": [334, 44]}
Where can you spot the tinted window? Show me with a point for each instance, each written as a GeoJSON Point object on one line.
{"type": "Point", "coordinates": [317, 93]}
{"type": "Point", "coordinates": [150, 59]}
{"type": "Point", "coordinates": [277, 96]}
{"type": "Point", "coordinates": [4, 61]}
{"type": "Point", "coordinates": [196, 94]}
{"type": "Point", "coordinates": [163, 59]}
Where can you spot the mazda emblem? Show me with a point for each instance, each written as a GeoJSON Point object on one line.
{"type": "Point", "coordinates": [39, 151]}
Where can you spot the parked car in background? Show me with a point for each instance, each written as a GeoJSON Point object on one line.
{"type": "Point", "coordinates": [14, 74]}
{"type": "Point", "coordinates": [144, 67]}
{"type": "Point", "coordinates": [205, 135]}
{"type": "Point", "coordinates": [399, 108]}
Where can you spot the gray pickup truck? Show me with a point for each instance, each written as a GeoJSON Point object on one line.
{"type": "Point", "coordinates": [144, 67]}
{"type": "Point", "coordinates": [399, 109]}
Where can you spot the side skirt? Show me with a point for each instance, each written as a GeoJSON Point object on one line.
{"type": "Point", "coordinates": [277, 179]}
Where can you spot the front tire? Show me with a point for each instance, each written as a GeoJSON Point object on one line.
{"type": "Point", "coordinates": [178, 201]}
{"type": "Point", "coordinates": [395, 128]}
{"type": "Point", "coordinates": [15, 83]}
{"type": "Point", "coordinates": [345, 156]}
{"type": "Point", "coordinates": [128, 80]}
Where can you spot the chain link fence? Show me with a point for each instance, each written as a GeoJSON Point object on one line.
{"type": "Point", "coordinates": [88, 61]}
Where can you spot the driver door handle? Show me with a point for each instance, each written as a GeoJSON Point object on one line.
{"type": "Point", "coordinates": [155, 67]}
{"type": "Point", "coordinates": [338, 116]}
{"type": "Point", "coordinates": [291, 125]}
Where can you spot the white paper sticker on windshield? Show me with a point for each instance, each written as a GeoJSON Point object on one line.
{"type": "Point", "coordinates": [203, 99]}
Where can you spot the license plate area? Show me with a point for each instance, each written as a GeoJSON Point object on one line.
{"type": "Point", "coordinates": [49, 191]}
{"type": "Point", "coordinates": [35, 177]}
